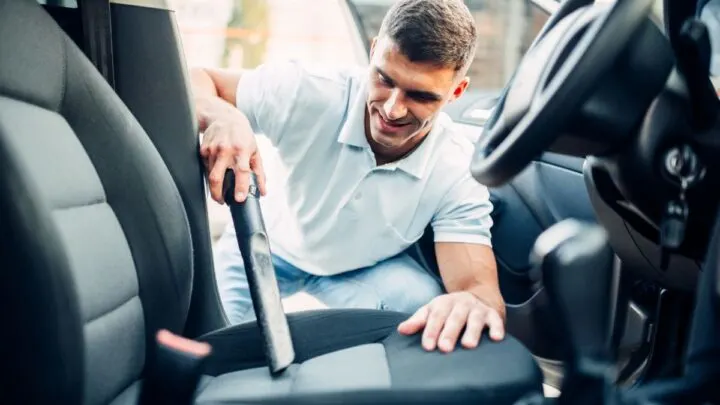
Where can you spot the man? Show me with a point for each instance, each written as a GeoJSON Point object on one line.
{"type": "Point", "coordinates": [370, 162]}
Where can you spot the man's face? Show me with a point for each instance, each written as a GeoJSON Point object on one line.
{"type": "Point", "coordinates": [405, 98]}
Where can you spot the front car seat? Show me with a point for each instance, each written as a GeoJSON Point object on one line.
{"type": "Point", "coordinates": [95, 256]}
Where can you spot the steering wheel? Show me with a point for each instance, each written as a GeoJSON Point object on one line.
{"type": "Point", "coordinates": [554, 80]}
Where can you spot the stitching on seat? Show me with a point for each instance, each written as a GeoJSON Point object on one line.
{"type": "Point", "coordinates": [129, 122]}
{"type": "Point", "coordinates": [114, 309]}
{"type": "Point", "coordinates": [82, 205]}
{"type": "Point", "coordinates": [64, 72]}
{"type": "Point", "coordinates": [387, 360]}
{"type": "Point", "coordinates": [295, 373]}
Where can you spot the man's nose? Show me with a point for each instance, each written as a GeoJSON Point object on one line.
{"type": "Point", "coordinates": [394, 107]}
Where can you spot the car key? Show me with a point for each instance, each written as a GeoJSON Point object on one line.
{"type": "Point", "coordinates": [255, 250]}
{"type": "Point", "coordinates": [682, 164]}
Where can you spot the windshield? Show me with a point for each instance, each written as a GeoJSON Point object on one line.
{"type": "Point", "coordinates": [506, 28]}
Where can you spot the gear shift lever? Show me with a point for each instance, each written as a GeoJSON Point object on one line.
{"type": "Point", "coordinates": [579, 276]}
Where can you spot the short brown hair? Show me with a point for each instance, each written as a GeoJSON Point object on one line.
{"type": "Point", "coordinates": [440, 32]}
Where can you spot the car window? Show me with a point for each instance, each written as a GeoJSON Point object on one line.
{"type": "Point", "coordinates": [246, 33]}
{"type": "Point", "coordinates": [506, 28]}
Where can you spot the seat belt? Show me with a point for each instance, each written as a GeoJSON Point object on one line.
{"type": "Point", "coordinates": [175, 372]}
{"type": "Point", "coordinates": [97, 36]}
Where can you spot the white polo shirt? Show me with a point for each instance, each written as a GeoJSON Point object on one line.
{"type": "Point", "coordinates": [329, 207]}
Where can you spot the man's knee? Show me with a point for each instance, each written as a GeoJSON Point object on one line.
{"type": "Point", "coordinates": [406, 286]}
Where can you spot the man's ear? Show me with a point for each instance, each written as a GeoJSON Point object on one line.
{"type": "Point", "coordinates": [459, 89]}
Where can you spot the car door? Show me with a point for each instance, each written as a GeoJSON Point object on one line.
{"type": "Point", "coordinates": [550, 190]}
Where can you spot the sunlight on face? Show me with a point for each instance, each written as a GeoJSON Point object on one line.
{"type": "Point", "coordinates": [405, 98]}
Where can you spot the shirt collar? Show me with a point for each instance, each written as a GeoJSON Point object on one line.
{"type": "Point", "coordinates": [352, 133]}
{"type": "Point", "coordinates": [353, 129]}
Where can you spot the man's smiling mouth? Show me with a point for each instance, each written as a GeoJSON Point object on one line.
{"type": "Point", "coordinates": [390, 126]}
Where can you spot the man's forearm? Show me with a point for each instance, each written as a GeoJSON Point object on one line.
{"type": "Point", "coordinates": [470, 267]}
{"type": "Point", "coordinates": [202, 83]}
{"type": "Point", "coordinates": [213, 94]}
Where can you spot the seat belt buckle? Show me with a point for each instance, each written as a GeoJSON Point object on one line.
{"type": "Point", "coordinates": [174, 376]}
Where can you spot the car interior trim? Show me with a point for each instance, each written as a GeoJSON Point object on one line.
{"type": "Point", "coordinates": [159, 4]}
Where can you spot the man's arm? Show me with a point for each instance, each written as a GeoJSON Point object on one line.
{"type": "Point", "coordinates": [228, 141]}
{"type": "Point", "coordinates": [473, 301]}
{"type": "Point", "coordinates": [467, 265]}
{"type": "Point", "coordinates": [470, 267]}
{"type": "Point", "coordinates": [231, 107]}
{"type": "Point", "coordinates": [214, 92]}
{"type": "Point", "coordinates": [210, 82]}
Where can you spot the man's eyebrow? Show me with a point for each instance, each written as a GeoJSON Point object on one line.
{"type": "Point", "coordinates": [385, 76]}
{"type": "Point", "coordinates": [423, 95]}
{"type": "Point", "coordinates": [416, 94]}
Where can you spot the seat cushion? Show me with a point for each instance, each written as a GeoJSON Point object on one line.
{"type": "Point", "coordinates": [356, 356]}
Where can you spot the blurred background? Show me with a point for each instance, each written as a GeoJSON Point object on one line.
{"type": "Point", "coordinates": [246, 33]}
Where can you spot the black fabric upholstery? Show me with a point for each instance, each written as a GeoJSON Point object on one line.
{"type": "Point", "coordinates": [499, 372]}
{"type": "Point", "coordinates": [139, 189]}
{"type": "Point", "coordinates": [119, 216]}
{"type": "Point", "coordinates": [317, 333]}
{"type": "Point", "coordinates": [314, 333]}
{"type": "Point", "coordinates": [358, 356]}
{"type": "Point", "coordinates": [148, 55]}
{"type": "Point", "coordinates": [97, 256]}
{"type": "Point", "coordinates": [41, 344]}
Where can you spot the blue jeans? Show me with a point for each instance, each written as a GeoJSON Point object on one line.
{"type": "Point", "coordinates": [399, 284]}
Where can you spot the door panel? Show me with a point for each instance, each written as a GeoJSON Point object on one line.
{"type": "Point", "coordinates": [548, 191]}
{"type": "Point", "coordinates": [542, 195]}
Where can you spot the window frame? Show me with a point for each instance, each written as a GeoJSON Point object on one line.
{"type": "Point", "coordinates": [549, 6]}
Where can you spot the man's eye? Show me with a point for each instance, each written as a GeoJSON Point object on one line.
{"type": "Point", "coordinates": [384, 80]}
{"type": "Point", "coordinates": [422, 98]}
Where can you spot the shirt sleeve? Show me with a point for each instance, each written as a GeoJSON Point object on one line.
{"type": "Point", "coordinates": [464, 214]}
{"type": "Point", "coordinates": [266, 96]}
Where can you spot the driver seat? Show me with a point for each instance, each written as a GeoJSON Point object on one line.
{"type": "Point", "coordinates": [96, 257]}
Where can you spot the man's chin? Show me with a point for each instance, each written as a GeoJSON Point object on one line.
{"type": "Point", "coordinates": [386, 142]}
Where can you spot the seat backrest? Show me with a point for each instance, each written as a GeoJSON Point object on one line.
{"type": "Point", "coordinates": [120, 222]}
{"type": "Point", "coordinates": [152, 80]}
{"type": "Point", "coordinates": [41, 344]}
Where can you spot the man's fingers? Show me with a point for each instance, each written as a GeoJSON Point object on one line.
{"type": "Point", "coordinates": [453, 326]}
{"type": "Point", "coordinates": [256, 165]}
{"type": "Point", "coordinates": [210, 145]}
{"type": "Point", "coordinates": [242, 175]}
{"type": "Point", "coordinates": [436, 319]}
{"type": "Point", "coordinates": [473, 329]}
{"type": "Point", "coordinates": [496, 325]}
{"type": "Point", "coordinates": [206, 150]}
{"type": "Point", "coordinates": [415, 323]}
{"type": "Point", "coordinates": [217, 176]}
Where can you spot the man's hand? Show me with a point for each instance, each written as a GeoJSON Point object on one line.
{"type": "Point", "coordinates": [229, 142]}
{"type": "Point", "coordinates": [444, 318]}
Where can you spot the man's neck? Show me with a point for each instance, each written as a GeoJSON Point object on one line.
{"type": "Point", "coordinates": [384, 157]}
